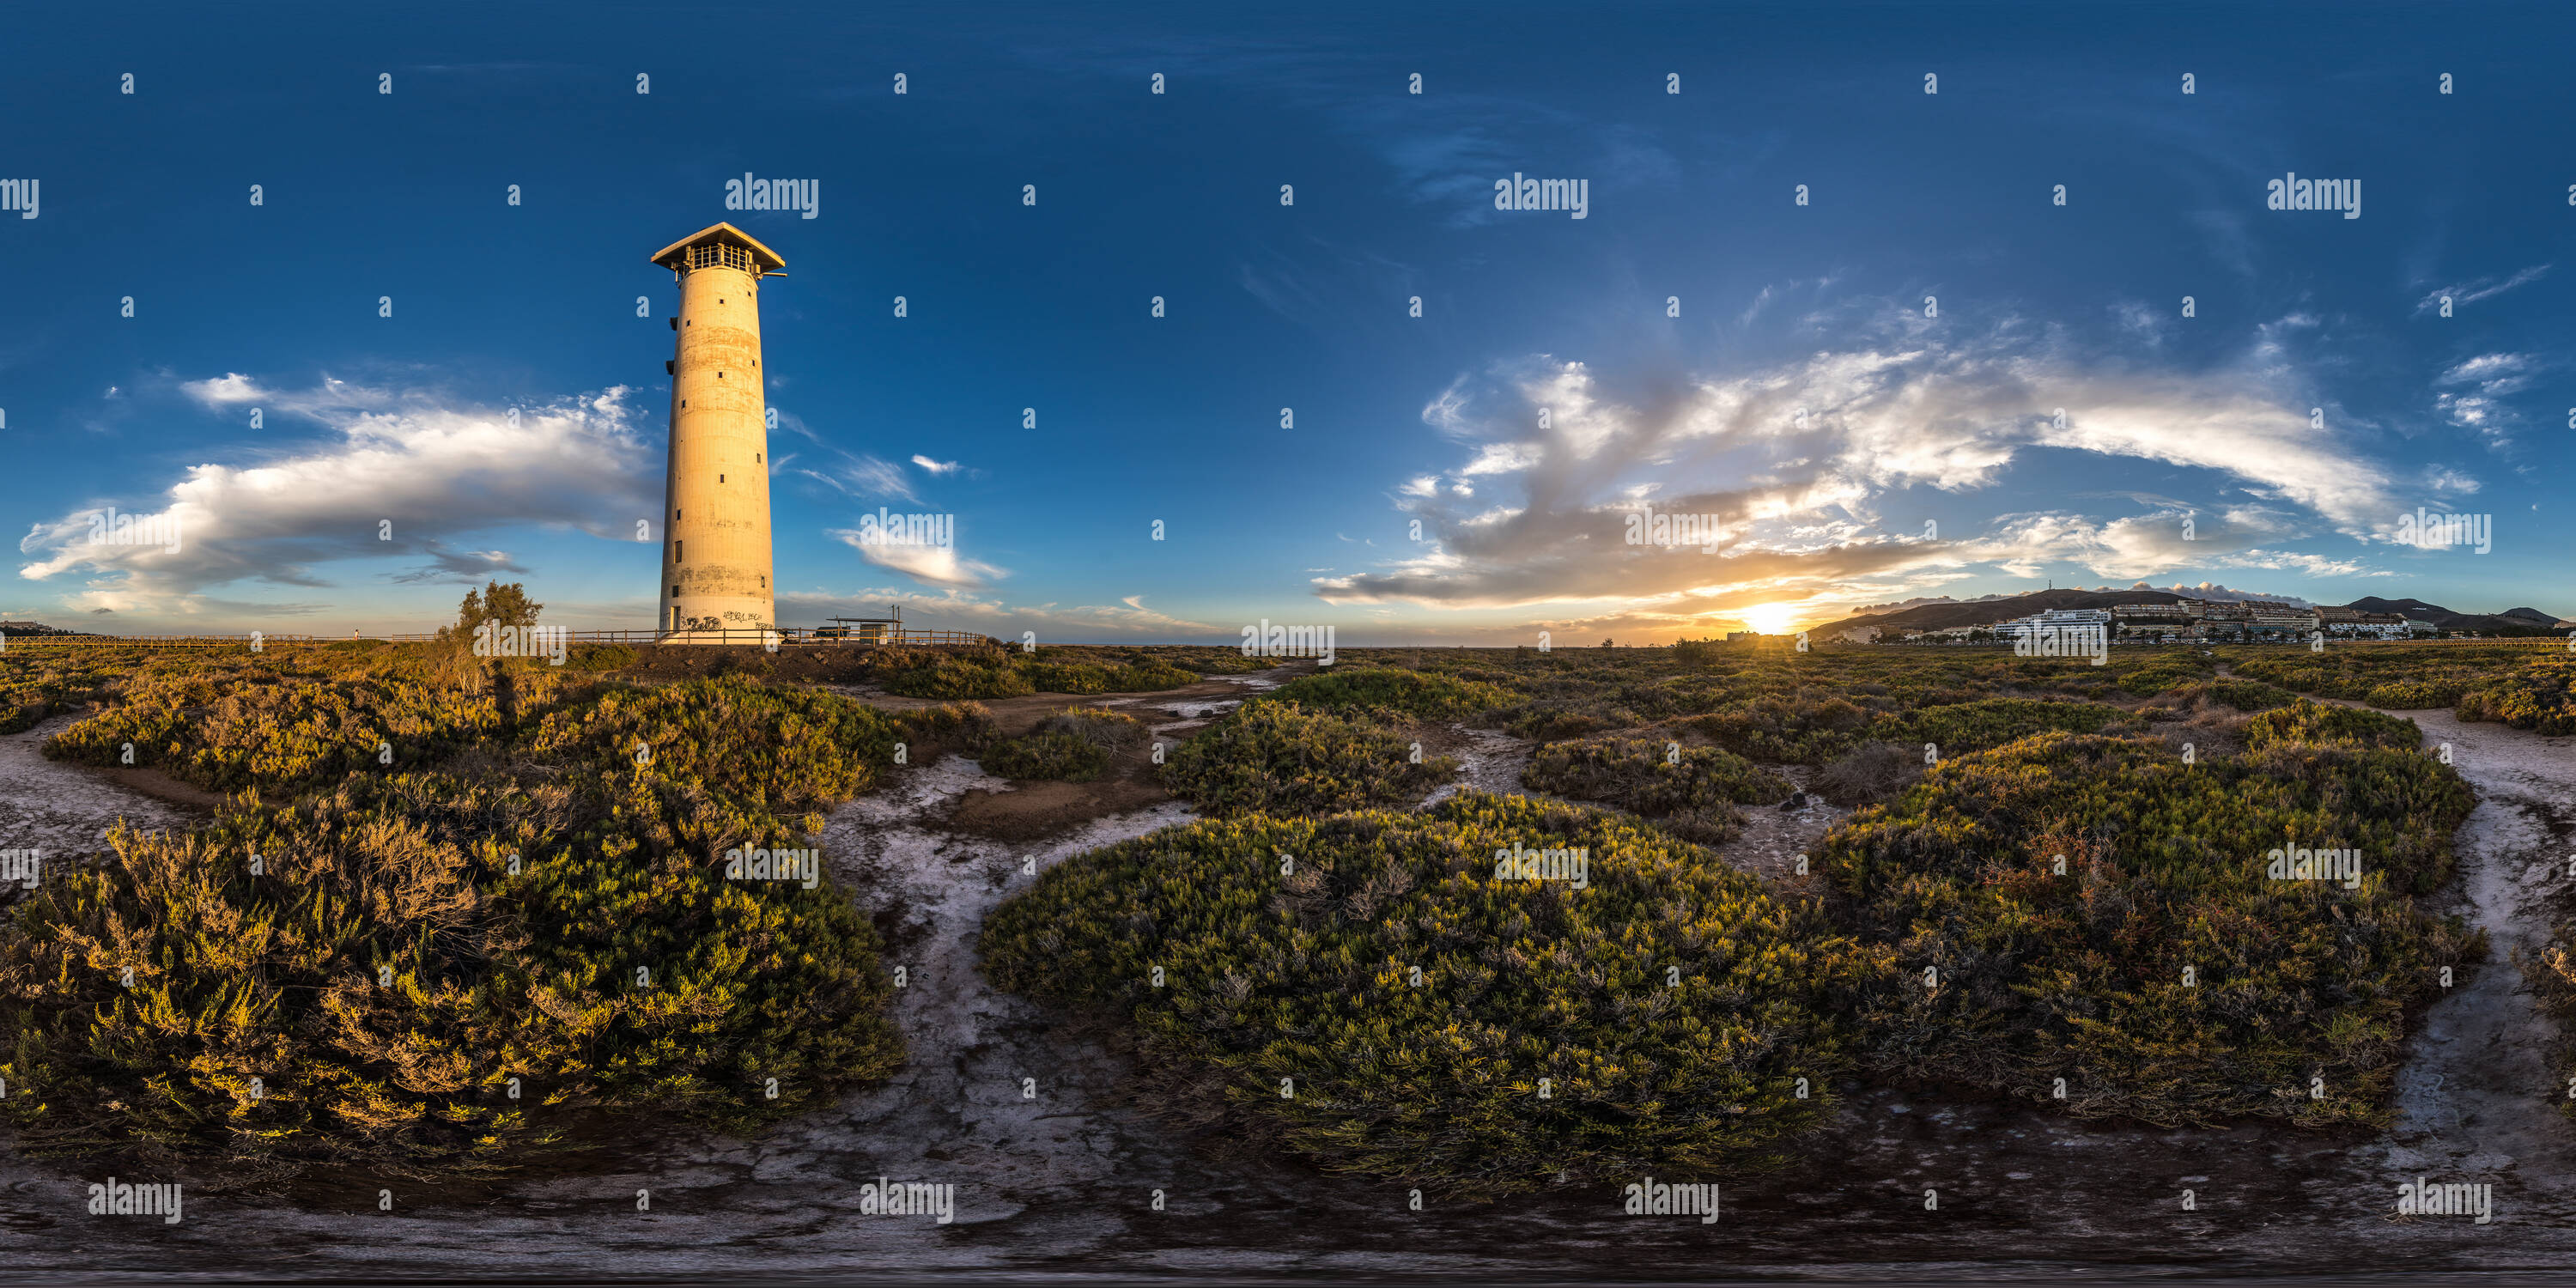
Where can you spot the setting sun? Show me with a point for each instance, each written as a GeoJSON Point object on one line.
{"type": "Point", "coordinates": [1769, 619]}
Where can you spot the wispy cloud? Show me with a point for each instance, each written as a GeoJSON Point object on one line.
{"type": "Point", "coordinates": [2483, 288]}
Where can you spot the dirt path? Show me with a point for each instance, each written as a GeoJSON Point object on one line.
{"type": "Point", "coordinates": [64, 809]}
{"type": "Point", "coordinates": [2473, 1102]}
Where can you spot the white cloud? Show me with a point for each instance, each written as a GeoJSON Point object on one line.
{"type": "Point", "coordinates": [1812, 503]}
{"type": "Point", "coordinates": [416, 466]}
{"type": "Point", "coordinates": [930, 565]}
{"type": "Point", "coordinates": [936, 467]}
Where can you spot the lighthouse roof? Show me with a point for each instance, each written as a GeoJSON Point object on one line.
{"type": "Point", "coordinates": [726, 233]}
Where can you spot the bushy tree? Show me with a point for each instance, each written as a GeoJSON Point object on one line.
{"type": "Point", "coordinates": [498, 604]}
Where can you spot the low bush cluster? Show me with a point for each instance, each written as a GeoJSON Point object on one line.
{"type": "Point", "coordinates": [1691, 791]}
{"type": "Point", "coordinates": [2325, 725]}
{"type": "Point", "coordinates": [409, 942]}
{"type": "Point", "coordinates": [2162, 972]}
{"type": "Point", "coordinates": [994, 672]}
{"type": "Point", "coordinates": [1365, 991]}
{"type": "Point", "coordinates": [2518, 686]}
{"type": "Point", "coordinates": [1279, 757]}
{"type": "Point", "coordinates": [2242, 695]}
{"type": "Point", "coordinates": [1392, 691]}
{"type": "Point", "coordinates": [1046, 754]}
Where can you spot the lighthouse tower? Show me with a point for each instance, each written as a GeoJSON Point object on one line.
{"type": "Point", "coordinates": [715, 507]}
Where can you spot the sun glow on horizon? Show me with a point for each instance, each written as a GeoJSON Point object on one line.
{"type": "Point", "coordinates": [1770, 619]}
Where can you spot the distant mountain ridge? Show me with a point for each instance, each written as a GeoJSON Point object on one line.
{"type": "Point", "coordinates": [1986, 612]}
{"type": "Point", "coordinates": [2511, 619]}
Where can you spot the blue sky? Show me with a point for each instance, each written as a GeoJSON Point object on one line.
{"type": "Point", "coordinates": [2317, 395]}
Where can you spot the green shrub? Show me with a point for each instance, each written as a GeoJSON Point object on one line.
{"type": "Point", "coordinates": [2160, 675]}
{"type": "Point", "coordinates": [2310, 722]}
{"type": "Point", "coordinates": [2081, 975]}
{"type": "Point", "coordinates": [1149, 679]}
{"type": "Point", "coordinates": [1698, 653]}
{"type": "Point", "coordinates": [954, 677]}
{"type": "Point", "coordinates": [1282, 758]}
{"type": "Point", "coordinates": [2416, 695]}
{"type": "Point", "coordinates": [1304, 980]}
{"type": "Point", "coordinates": [2541, 702]}
{"type": "Point", "coordinates": [296, 733]}
{"type": "Point", "coordinates": [1692, 791]}
{"type": "Point", "coordinates": [2243, 695]}
{"type": "Point", "coordinates": [1806, 728]}
{"type": "Point", "coordinates": [1048, 755]}
{"type": "Point", "coordinates": [510, 905]}
{"type": "Point", "coordinates": [1871, 772]}
{"type": "Point", "coordinates": [1992, 722]}
{"type": "Point", "coordinates": [1378, 688]}
{"type": "Point", "coordinates": [1099, 726]}
{"type": "Point", "coordinates": [954, 726]}
{"type": "Point", "coordinates": [602, 657]}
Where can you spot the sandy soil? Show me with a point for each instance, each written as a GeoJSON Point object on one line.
{"type": "Point", "coordinates": [1063, 1183]}
{"type": "Point", "coordinates": [64, 809]}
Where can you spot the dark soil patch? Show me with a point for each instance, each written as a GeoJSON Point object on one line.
{"type": "Point", "coordinates": [162, 787]}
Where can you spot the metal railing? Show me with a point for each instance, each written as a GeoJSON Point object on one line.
{"type": "Point", "coordinates": [11, 640]}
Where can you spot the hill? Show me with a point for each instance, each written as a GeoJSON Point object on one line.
{"type": "Point", "coordinates": [1986, 612]}
{"type": "Point", "coordinates": [2512, 619]}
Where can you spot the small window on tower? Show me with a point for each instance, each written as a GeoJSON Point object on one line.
{"type": "Point", "coordinates": [678, 551]}
{"type": "Point", "coordinates": [675, 590]}
{"type": "Point", "coordinates": [755, 458]}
